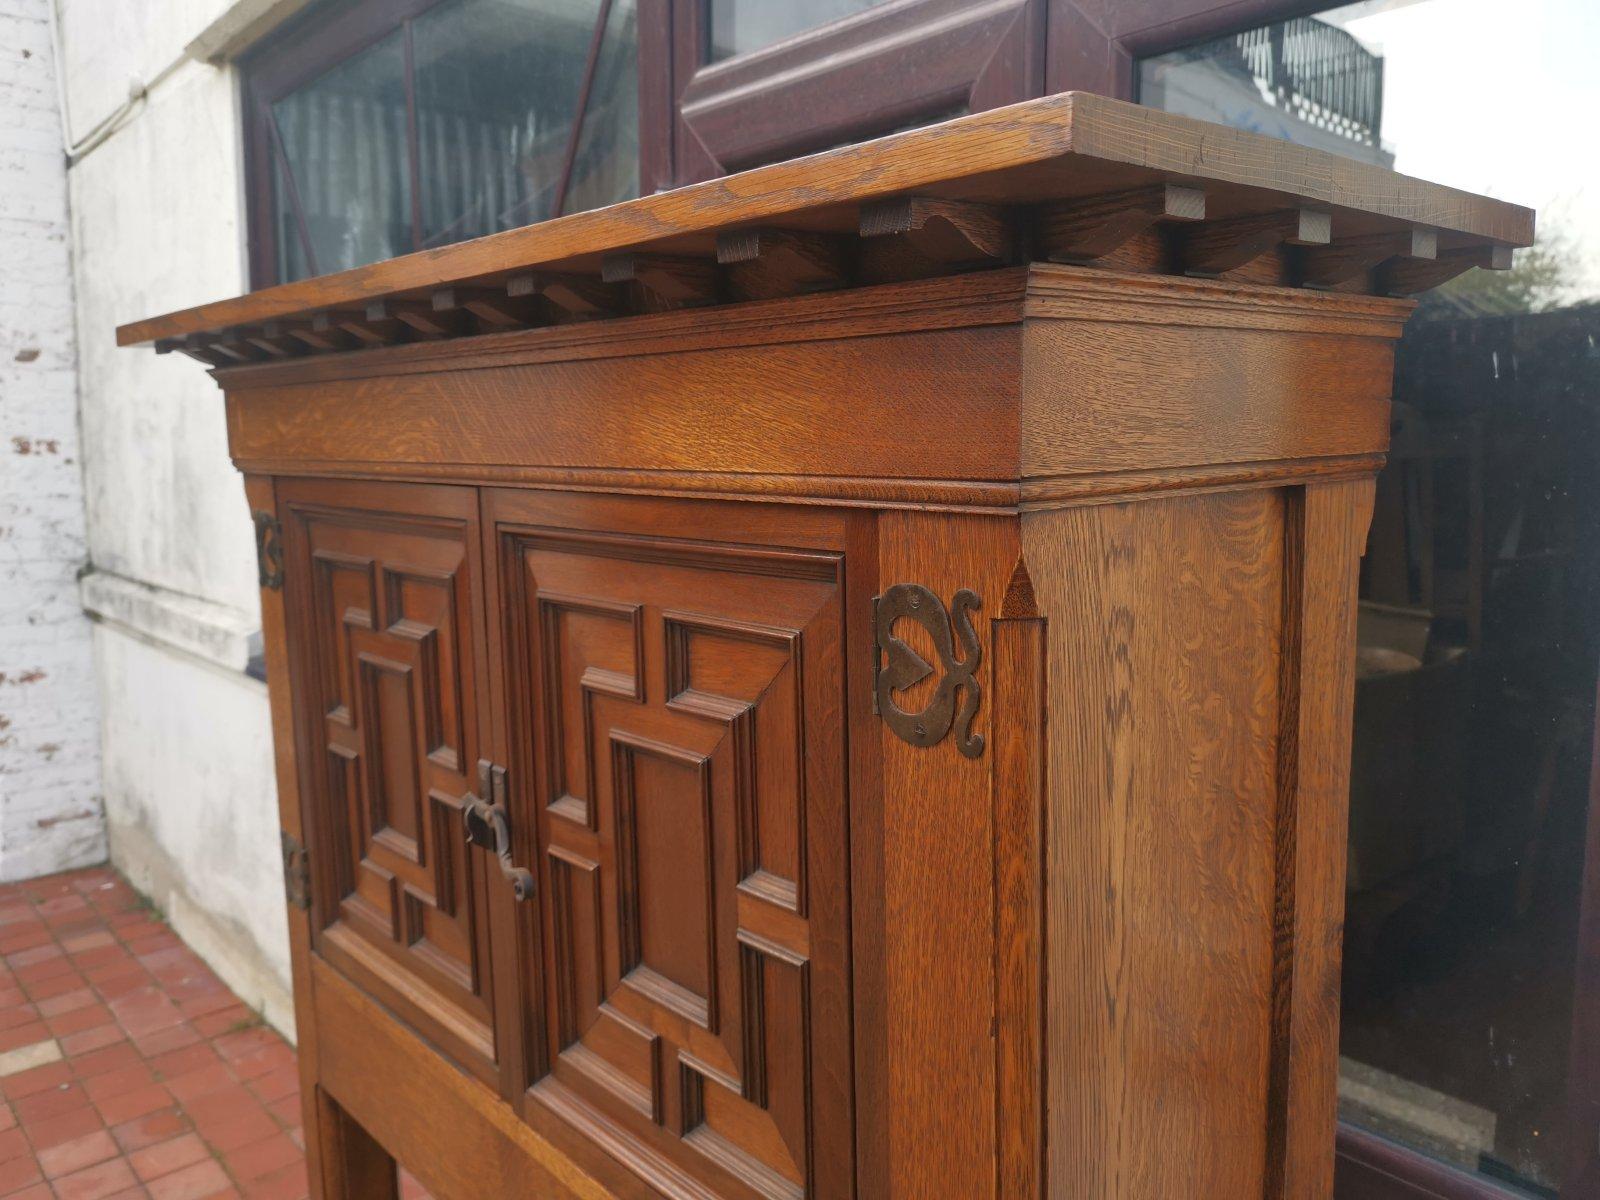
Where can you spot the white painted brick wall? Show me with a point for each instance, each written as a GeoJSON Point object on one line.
{"type": "Point", "coordinates": [50, 802]}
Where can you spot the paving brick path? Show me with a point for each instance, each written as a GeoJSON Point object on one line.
{"type": "Point", "coordinates": [127, 1069]}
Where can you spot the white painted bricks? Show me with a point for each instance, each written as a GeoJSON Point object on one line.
{"type": "Point", "coordinates": [50, 804]}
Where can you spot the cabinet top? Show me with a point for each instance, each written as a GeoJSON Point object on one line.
{"type": "Point", "coordinates": [1073, 177]}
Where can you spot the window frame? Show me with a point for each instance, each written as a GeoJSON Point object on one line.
{"type": "Point", "coordinates": [860, 76]}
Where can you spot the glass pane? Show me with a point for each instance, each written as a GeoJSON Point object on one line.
{"type": "Point", "coordinates": [344, 142]}
{"type": "Point", "coordinates": [740, 26]}
{"type": "Point", "coordinates": [1480, 590]}
{"type": "Point", "coordinates": [497, 94]}
{"type": "Point", "coordinates": [290, 241]}
{"type": "Point", "coordinates": [606, 168]}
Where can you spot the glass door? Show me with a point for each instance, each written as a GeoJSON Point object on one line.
{"type": "Point", "coordinates": [1471, 995]}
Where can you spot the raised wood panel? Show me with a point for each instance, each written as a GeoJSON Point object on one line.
{"type": "Point", "coordinates": [384, 590]}
{"type": "Point", "coordinates": [1199, 685]}
{"type": "Point", "coordinates": [677, 704]}
{"type": "Point", "coordinates": [1164, 621]}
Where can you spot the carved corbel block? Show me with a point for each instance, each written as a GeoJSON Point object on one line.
{"type": "Point", "coordinates": [233, 346]}
{"type": "Point", "coordinates": [1079, 231]}
{"type": "Point", "coordinates": [942, 232]}
{"type": "Point", "coordinates": [322, 336]}
{"type": "Point", "coordinates": [274, 339]}
{"type": "Point", "coordinates": [382, 330]}
{"type": "Point", "coordinates": [666, 281]}
{"type": "Point", "coordinates": [1349, 258]}
{"type": "Point", "coordinates": [1407, 277]}
{"type": "Point", "coordinates": [1212, 247]}
{"type": "Point", "coordinates": [496, 311]}
{"type": "Point", "coordinates": [768, 263]}
{"type": "Point", "coordinates": [422, 319]}
{"type": "Point", "coordinates": [193, 347]}
{"type": "Point", "coordinates": [577, 296]}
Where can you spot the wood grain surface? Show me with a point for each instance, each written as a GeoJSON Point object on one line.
{"type": "Point", "coordinates": [769, 949]}
{"type": "Point", "coordinates": [1060, 147]}
{"type": "Point", "coordinates": [1165, 636]}
{"type": "Point", "coordinates": [939, 895]}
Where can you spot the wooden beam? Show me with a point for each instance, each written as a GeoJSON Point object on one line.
{"type": "Point", "coordinates": [1212, 247]}
{"type": "Point", "coordinates": [1083, 230]}
{"type": "Point", "coordinates": [768, 263]}
{"type": "Point", "coordinates": [1349, 258]}
{"type": "Point", "coordinates": [1407, 277]}
{"type": "Point", "coordinates": [669, 280]}
{"type": "Point", "coordinates": [951, 232]}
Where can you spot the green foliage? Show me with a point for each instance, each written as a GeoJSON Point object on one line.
{"type": "Point", "coordinates": [1539, 280]}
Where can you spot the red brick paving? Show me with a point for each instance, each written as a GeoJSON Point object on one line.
{"type": "Point", "coordinates": [163, 1084]}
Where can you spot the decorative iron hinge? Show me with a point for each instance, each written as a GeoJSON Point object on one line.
{"type": "Point", "coordinates": [296, 872]}
{"type": "Point", "coordinates": [896, 667]}
{"type": "Point", "coordinates": [269, 550]}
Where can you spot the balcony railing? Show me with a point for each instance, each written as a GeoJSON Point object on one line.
{"type": "Point", "coordinates": [1317, 72]}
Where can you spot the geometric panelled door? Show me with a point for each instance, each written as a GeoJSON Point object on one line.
{"type": "Point", "coordinates": [678, 755]}
{"type": "Point", "coordinates": [389, 681]}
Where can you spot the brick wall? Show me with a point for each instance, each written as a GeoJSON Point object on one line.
{"type": "Point", "coordinates": [50, 803]}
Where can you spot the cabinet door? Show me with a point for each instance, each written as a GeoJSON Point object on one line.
{"type": "Point", "coordinates": [385, 626]}
{"type": "Point", "coordinates": [677, 717]}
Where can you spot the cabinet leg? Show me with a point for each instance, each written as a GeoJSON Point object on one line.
{"type": "Point", "coordinates": [344, 1161]}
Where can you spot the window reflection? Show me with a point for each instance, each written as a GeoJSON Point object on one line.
{"type": "Point", "coordinates": [740, 26]}
{"type": "Point", "coordinates": [1480, 591]}
{"type": "Point", "coordinates": [473, 117]}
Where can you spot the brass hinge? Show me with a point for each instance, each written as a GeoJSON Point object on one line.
{"type": "Point", "coordinates": [269, 550]}
{"type": "Point", "coordinates": [296, 872]}
{"type": "Point", "coordinates": [896, 667]}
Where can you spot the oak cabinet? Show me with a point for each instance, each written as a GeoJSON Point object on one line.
{"type": "Point", "coordinates": [835, 682]}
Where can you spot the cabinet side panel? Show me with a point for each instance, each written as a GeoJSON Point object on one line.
{"type": "Point", "coordinates": [1164, 646]}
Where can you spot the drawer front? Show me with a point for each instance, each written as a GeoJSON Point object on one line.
{"type": "Point", "coordinates": [385, 623]}
{"type": "Point", "coordinates": [678, 716]}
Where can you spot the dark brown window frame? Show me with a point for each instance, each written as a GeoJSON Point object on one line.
{"type": "Point", "coordinates": [900, 64]}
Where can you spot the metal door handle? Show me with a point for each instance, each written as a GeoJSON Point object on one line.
{"type": "Point", "coordinates": [488, 826]}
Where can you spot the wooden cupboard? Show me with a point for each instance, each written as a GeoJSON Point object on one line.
{"type": "Point", "coordinates": [835, 681]}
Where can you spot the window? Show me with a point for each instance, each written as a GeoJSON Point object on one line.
{"type": "Point", "coordinates": [1471, 1013]}
{"type": "Point", "coordinates": [378, 129]}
